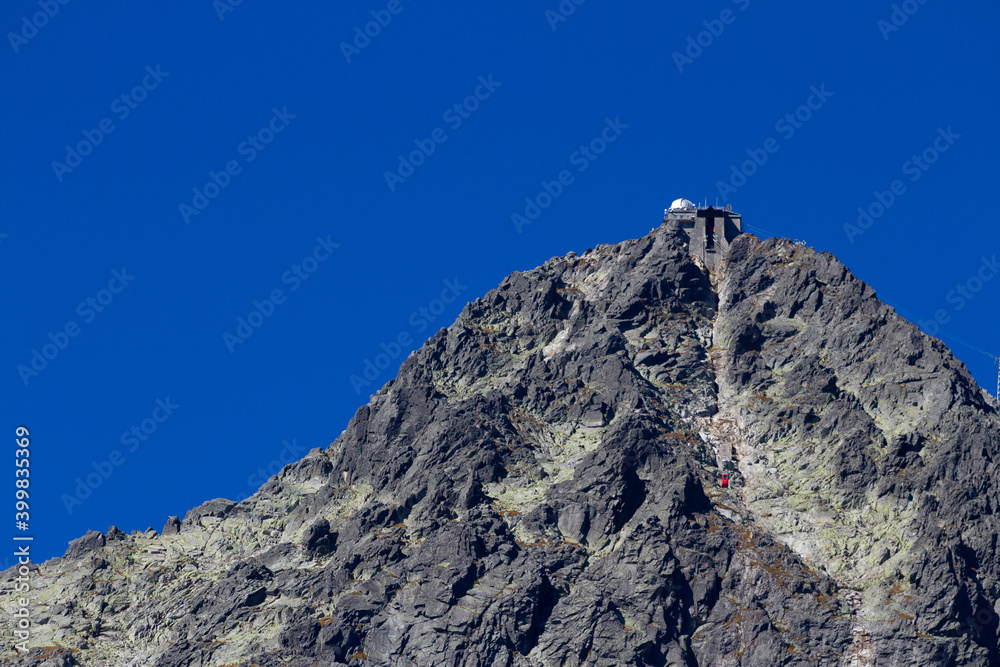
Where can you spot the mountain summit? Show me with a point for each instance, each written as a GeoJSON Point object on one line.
{"type": "Point", "coordinates": [541, 485]}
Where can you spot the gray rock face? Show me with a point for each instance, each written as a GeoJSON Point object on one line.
{"type": "Point", "coordinates": [81, 546]}
{"type": "Point", "coordinates": [540, 486]}
{"type": "Point", "coordinates": [173, 526]}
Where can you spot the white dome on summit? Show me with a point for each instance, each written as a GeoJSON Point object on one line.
{"type": "Point", "coordinates": [682, 203]}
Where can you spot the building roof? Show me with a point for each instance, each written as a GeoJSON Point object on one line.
{"type": "Point", "coordinates": [712, 211]}
{"type": "Point", "coordinates": [682, 204]}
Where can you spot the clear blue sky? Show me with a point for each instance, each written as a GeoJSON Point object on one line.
{"type": "Point", "coordinates": [308, 128]}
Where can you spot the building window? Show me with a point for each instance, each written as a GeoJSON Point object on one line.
{"type": "Point", "coordinates": [709, 233]}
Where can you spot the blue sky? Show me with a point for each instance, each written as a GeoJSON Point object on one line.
{"type": "Point", "coordinates": [189, 165]}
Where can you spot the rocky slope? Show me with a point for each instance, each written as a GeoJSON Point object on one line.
{"type": "Point", "coordinates": [540, 486]}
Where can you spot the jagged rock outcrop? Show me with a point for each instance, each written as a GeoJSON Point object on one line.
{"type": "Point", "coordinates": [540, 486]}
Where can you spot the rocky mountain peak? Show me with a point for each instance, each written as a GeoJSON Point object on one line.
{"type": "Point", "coordinates": [540, 485]}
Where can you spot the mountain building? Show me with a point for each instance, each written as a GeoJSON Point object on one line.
{"type": "Point", "coordinates": [711, 230]}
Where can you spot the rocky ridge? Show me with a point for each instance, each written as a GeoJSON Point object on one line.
{"type": "Point", "coordinates": [539, 485]}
